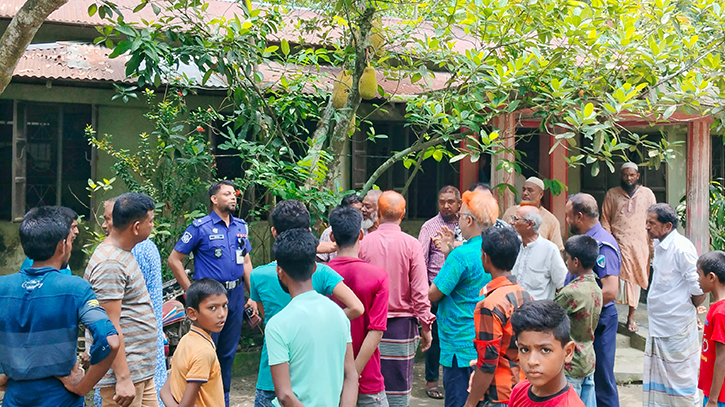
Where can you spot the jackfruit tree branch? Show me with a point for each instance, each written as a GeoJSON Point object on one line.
{"type": "Point", "coordinates": [20, 33]}
{"type": "Point", "coordinates": [339, 133]}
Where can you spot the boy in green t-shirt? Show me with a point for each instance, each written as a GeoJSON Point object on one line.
{"type": "Point", "coordinates": [582, 301]}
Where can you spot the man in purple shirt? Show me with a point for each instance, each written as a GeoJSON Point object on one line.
{"type": "Point", "coordinates": [582, 215]}
{"type": "Point", "coordinates": [449, 202]}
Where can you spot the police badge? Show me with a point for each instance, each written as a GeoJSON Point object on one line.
{"type": "Point", "coordinates": [218, 252]}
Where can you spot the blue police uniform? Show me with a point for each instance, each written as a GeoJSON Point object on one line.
{"type": "Point", "coordinates": [605, 337]}
{"type": "Point", "coordinates": [219, 253]}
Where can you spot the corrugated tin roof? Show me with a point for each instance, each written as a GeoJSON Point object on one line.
{"type": "Point", "coordinates": [84, 62]}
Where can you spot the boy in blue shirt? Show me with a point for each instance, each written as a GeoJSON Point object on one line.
{"type": "Point", "coordinates": [309, 341]}
{"type": "Point", "coordinates": [40, 310]}
{"type": "Point", "coordinates": [271, 299]}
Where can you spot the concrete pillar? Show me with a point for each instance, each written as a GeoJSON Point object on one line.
{"type": "Point", "coordinates": [559, 170]}
{"type": "Point", "coordinates": [698, 184]}
{"type": "Point", "coordinates": [506, 126]}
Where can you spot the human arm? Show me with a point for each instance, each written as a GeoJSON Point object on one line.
{"type": "Point", "coordinates": [370, 343]}
{"type": "Point", "coordinates": [175, 264]}
{"type": "Point", "coordinates": [353, 306]}
{"type": "Point", "coordinates": [191, 392]}
{"type": "Point", "coordinates": [326, 247]}
{"type": "Point", "coordinates": [445, 241]}
{"type": "Point", "coordinates": [247, 273]}
{"type": "Point", "coordinates": [718, 375]}
{"type": "Point", "coordinates": [686, 260]}
{"type": "Point", "coordinates": [425, 237]}
{"type": "Point", "coordinates": [125, 391]}
{"type": "Point", "coordinates": [558, 270]}
{"type": "Point", "coordinates": [348, 397]}
{"type": "Point", "coordinates": [3, 382]}
{"type": "Point", "coordinates": [434, 294]}
{"type": "Point", "coordinates": [283, 386]}
{"type": "Point", "coordinates": [610, 287]}
{"type": "Point", "coordinates": [489, 331]}
{"type": "Point", "coordinates": [260, 308]}
{"type": "Point", "coordinates": [418, 279]}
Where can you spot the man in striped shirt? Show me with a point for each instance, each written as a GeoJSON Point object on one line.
{"type": "Point", "coordinates": [118, 283]}
{"type": "Point", "coordinates": [497, 364]}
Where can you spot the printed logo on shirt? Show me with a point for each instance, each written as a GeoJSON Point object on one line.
{"type": "Point", "coordinates": [31, 285]}
{"type": "Point", "coordinates": [93, 303]}
{"type": "Point", "coordinates": [601, 261]}
{"type": "Point", "coordinates": [186, 238]}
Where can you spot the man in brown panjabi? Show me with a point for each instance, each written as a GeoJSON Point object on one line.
{"type": "Point", "coordinates": [624, 214]}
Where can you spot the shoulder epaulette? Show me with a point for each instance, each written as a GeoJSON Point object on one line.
{"type": "Point", "coordinates": [201, 221]}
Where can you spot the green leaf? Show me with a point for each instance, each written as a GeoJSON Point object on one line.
{"type": "Point", "coordinates": [285, 47]}
{"type": "Point", "coordinates": [595, 169]}
{"type": "Point", "coordinates": [92, 9]}
{"type": "Point", "coordinates": [669, 112]}
{"type": "Point", "coordinates": [457, 158]}
{"type": "Point", "coordinates": [155, 8]}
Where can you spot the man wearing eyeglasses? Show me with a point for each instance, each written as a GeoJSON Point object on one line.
{"type": "Point", "coordinates": [539, 268]}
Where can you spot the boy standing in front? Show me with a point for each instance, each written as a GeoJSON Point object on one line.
{"type": "Point", "coordinates": [196, 378]}
{"type": "Point", "coordinates": [542, 335]}
{"type": "Point", "coordinates": [371, 285]}
{"type": "Point", "coordinates": [711, 269]}
{"type": "Point", "coordinates": [582, 301]}
{"type": "Point", "coordinates": [308, 342]}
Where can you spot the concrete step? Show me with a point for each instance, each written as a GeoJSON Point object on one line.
{"type": "Point", "coordinates": [628, 365]}
{"type": "Point", "coordinates": [623, 341]}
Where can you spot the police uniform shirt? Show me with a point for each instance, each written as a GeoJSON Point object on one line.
{"type": "Point", "coordinates": [608, 261]}
{"type": "Point", "coordinates": [218, 251]}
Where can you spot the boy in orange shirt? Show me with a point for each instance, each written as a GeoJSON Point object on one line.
{"type": "Point", "coordinates": [195, 378]}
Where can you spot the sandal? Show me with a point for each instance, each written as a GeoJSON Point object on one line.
{"type": "Point", "coordinates": [434, 392]}
{"type": "Point", "coordinates": [632, 327]}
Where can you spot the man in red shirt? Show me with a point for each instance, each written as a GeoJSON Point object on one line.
{"type": "Point", "coordinates": [401, 256]}
{"type": "Point", "coordinates": [370, 284]}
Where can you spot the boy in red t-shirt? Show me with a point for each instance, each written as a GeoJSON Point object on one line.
{"type": "Point", "coordinates": [711, 269]}
{"type": "Point", "coordinates": [542, 335]}
{"type": "Point", "coordinates": [371, 285]}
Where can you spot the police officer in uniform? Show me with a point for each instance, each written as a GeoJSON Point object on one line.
{"type": "Point", "coordinates": [582, 215]}
{"type": "Point", "coordinates": [221, 249]}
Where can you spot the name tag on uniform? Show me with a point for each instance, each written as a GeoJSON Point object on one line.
{"type": "Point", "coordinates": [216, 237]}
{"type": "Point", "coordinates": [240, 256]}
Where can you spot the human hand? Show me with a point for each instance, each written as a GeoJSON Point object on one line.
{"type": "Point", "coordinates": [444, 240]}
{"type": "Point", "coordinates": [125, 393]}
{"type": "Point", "coordinates": [71, 381]}
{"type": "Point", "coordinates": [3, 382]}
{"type": "Point", "coordinates": [711, 403]}
{"type": "Point", "coordinates": [253, 305]}
{"type": "Point", "coordinates": [85, 359]}
{"type": "Point", "coordinates": [326, 247]}
{"type": "Point", "coordinates": [701, 309]}
{"type": "Point", "coordinates": [426, 338]}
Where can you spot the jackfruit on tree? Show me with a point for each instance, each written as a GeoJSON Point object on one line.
{"type": "Point", "coordinates": [341, 89]}
{"type": "Point", "coordinates": [377, 41]}
{"type": "Point", "coordinates": [368, 85]}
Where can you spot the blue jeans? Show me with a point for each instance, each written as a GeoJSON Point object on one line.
{"type": "Point", "coordinates": [263, 398]}
{"type": "Point", "coordinates": [585, 389]}
{"type": "Point", "coordinates": [455, 382]}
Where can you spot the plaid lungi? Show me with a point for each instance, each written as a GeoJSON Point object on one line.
{"type": "Point", "coordinates": [397, 353]}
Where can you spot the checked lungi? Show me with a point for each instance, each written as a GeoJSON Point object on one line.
{"type": "Point", "coordinates": [397, 353]}
{"type": "Point", "coordinates": [670, 369]}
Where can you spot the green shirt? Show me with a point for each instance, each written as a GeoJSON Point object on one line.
{"type": "Point", "coordinates": [582, 301]}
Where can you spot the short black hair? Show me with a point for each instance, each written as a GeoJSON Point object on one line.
{"type": "Point", "coordinates": [70, 213]}
{"type": "Point", "coordinates": [131, 207]}
{"type": "Point", "coordinates": [502, 246]}
{"type": "Point", "coordinates": [200, 289]}
{"type": "Point", "coordinates": [41, 231]}
{"type": "Point", "coordinates": [665, 213]}
{"type": "Point", "coordinates": [346, 224]}
{"type": "Point", "coordinates": [713, 262]}
{"type": "Point", "coordinates": [350, 199]}
{"type": "Point", "coordinates": [289, 214]}
{"type": "Point", "coordinates": [215, 186]}
{"type": "Point", "coordinates": [542, 316]}
{"type": "Point", "coordinates": [583, 206]}
{"type": "Point", "coordinates": [295, 251]}
{"type": "Point", "coordinates": [583, 247]}
{"type": "Point", "coordinates": [481, 185]}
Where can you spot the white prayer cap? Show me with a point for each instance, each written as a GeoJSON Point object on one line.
{"type": "Point", "coordinates": [536, 181]}
{"type": "Point", "coordinates": [631, 165]}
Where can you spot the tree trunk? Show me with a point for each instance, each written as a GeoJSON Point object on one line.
{"type": "Point", "coordinates": [20, 32]}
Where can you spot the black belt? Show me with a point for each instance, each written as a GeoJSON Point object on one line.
{"type": "Point", "coordinates": [230, 285]}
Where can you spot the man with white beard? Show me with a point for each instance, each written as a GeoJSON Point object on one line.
{"type": "Point", "coordinates": [370, 211]}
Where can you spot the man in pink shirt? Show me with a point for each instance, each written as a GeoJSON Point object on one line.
{"type": "Point", "coordinates": [370, 284]}
{"type": "Point", "coordinates": [401, 256]}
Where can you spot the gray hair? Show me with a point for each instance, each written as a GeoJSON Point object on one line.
{"type": "Point", "coordinates": [535, 218]}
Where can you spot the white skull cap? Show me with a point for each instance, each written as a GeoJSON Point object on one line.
{"type": "Point", "coordinates": [629, 164]}
{"type": "Point", "coordinates": [536, 181]}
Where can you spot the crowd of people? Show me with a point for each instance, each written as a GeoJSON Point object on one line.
{"type": "Point", "coordinates": [514, 314]}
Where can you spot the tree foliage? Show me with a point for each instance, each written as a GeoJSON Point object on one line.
{"type": "Point", "coordinates": [580, 68]}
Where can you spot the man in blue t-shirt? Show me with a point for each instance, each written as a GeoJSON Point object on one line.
{"type": "Point", "coordinates": [27, 263]}
{"type": "Point", "coordinates": [271, 299]}
{"type": "Point", "coordinates": [40, 311]}
{"type": "Point", "coordinates": [309, 341]}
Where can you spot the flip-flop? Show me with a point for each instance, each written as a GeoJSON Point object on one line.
{"type": "Point", "coordinates": [632, 327]}
{"type": "Point", "coordinates": [434, 392]}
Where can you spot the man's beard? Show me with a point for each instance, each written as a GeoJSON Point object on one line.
{"type": "Point", "coordinates": [574, 230]}
{"type": "Point", "coordinates": [368, 223]}
{"type": "Point", "coordinates": [449, 218]}
{"type": "Point", "coordinates": [626, 187]}
{"type": "Point", "coordinates": [284, 287]}
{"type": "Point", "coordinates": [230, 207]}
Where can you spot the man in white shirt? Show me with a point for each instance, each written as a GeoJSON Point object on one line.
{"type": "Point", "coordinates": [539, 269]}
{"type": "Point", "coordinates": [672, 353]}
